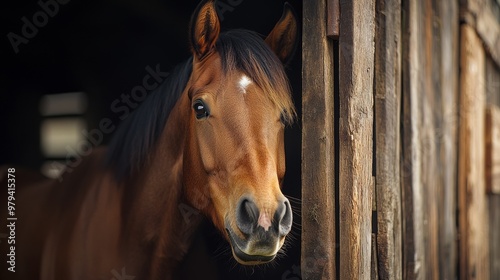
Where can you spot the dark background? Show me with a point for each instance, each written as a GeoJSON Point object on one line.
{"type": "Point", "coordinates": [102, 48]}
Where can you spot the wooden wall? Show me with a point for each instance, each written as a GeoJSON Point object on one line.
{"type": "Point", "coordinates": [410, 148]}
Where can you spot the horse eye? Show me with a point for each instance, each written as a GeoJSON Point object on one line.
{"type": "Point", "coordinates": [200, 109]}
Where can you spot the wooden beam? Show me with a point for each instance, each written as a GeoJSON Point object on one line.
{"type": "Point", "coordinates": [318, 158]}
{"type": "Point", "coordinates": [356, 72]}
{"type": "Point", "coordinates": [492, 149]}
{"type": "Point", "coordinates": [387, 139]}
{"type": "Point", "coordinates": [473, 217]}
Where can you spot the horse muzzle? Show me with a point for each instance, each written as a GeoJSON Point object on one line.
{"type": "Point", "coordinates": [258, 235]}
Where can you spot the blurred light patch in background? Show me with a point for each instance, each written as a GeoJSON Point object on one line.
{"type": "Point", "coordinates": [60, 136]}
{"type": "Point", "coordinates": [61, 129]}
{"type": "Point", "coordinates": [73, 103]}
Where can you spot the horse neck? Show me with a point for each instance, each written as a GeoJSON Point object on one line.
{"type": "Point", "coordinates": [155, 218]}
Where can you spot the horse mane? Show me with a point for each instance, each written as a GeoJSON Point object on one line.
{"type": "Point", "coordinates": [239, 49]}
{"type": "Point", "coordinates": [139, 132]}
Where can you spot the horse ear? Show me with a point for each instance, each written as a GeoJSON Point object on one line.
{"type": "Point", "coordinates": [283, 37]}
{"type": "Point", "coordinates": [205, 28]}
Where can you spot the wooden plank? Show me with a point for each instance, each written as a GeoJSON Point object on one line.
{"type": "Point", "coordinates": [356, 66]}
{"type": "Point", "coordinates": [473, 218]}
{"type": "Point", "coordinates": [478, 13]}
{"type": "Point", "coordinates": [430, 113]}
{"type": "Point", "coordinates": [333, 19]}
{"type": "Point", "coordinates": [492, 149]}
{"type": "Point", "coordinates": [387, 139]}
{"type": "Point", "coordinates": [414, 264]}
{"type": "Point", "coordinates": [446, 20]}
{"type": "Point", "coordinates": [428, 119]}
{"type": "Point", "coordinates": [318, 158]}
{"type": "Point", "coordinates": [429, 138]}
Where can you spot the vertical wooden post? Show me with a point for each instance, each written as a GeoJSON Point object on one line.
{"type": "Point", "coordinates": [387, 138]}
{"type": "Point", "coordinates": [473, 218]}
{"type": "Point", "coordinates": [318, 188]}
{"type": "Point", "coordinates": [493, 150]}
{"type": "Point", "coordinates": [493, 184]}
{"type": "Point", "coordinates": [356, 68]}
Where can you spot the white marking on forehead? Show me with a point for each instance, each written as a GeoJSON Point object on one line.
{"type": "Point", "coordinates": [244, 82]}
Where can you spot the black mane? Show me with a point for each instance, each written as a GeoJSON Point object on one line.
{"type": "Point", "coordinates": [239, 49]}
{"type": "Point", "coordinates": [140, 131]}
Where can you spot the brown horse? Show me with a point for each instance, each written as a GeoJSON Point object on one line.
{"type": "Point", "coordinates": [208, 143]}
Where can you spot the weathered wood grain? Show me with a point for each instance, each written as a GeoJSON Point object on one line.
{"type": "Point", "coordinates": [414, 264]}
{"type": "Point", "coordinates": [356, 68]}
{"type": "Point", "coordinates": [429, 138]}
{"type": "Point", "coordinates": [446, 20]}
{"type": "Point", "coordinates": [492, 153]}
{"type": "Point", "coordinates": [478, 13]}
{"type": "Point", "coordinates": [387, 139]}
{"type": "Point", "coordinates": [318, 158]}
{"type": "Point", "coordinates": [473, 218]}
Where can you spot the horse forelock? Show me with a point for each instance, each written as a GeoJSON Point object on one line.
{"type": "Point", "coordinates": [246, 51]}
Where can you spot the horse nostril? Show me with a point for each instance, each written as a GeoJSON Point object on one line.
{"type": "Point", "coordinates": [247, 215]}
{"type": "Point", "coordinates": [286, 218]}
{"type": "Point", "coordinates": [249, 218]}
